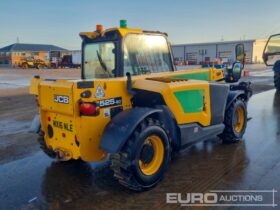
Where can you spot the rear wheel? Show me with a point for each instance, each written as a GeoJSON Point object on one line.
{"type": "Point", "coordinates": [144, 158]}
{"type": "Point", "coordinates": [235, 121]}
{"type": "Point", "coordinates": [44, 147]}
{"type": "Point", "coordinates": [40, 66]}
{"type": "Point", "coordinates": [24, 65]}
{"type": "Point", "coordinates": [277, 80]}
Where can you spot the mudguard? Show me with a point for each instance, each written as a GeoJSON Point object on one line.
{"type": "Point", "coordinates": [232, 96]}
{"type": "Point", "coordinates": [276, 66]}
{"type": "Point", "coordinates": [242, 89]}
{"type": "Point", "coordinates": [35, 125]}
{"type": "Point", "coordinates": [119, 129]}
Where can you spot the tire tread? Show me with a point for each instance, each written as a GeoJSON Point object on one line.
{"type": "Point", "coordinates": [121, 163]}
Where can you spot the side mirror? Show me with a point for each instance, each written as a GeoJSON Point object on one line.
{"type": "Point", "coordinates": [234, 74]}
{"type": "Point", "coordinates": [240, 54]}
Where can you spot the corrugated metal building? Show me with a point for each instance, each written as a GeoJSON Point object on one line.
{"type": "Point", "coordinates": [12, 54]}
{"type": "Point", "coordinates": [208, 52]}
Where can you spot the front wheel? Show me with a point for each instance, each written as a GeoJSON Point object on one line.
{"type": "Point", "coordinates": [235, 121]}
{"type": "Point", "coordinates": [277, 80]}
{"type": "Point", "coordinates": [145, 157]}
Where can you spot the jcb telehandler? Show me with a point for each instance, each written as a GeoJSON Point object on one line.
{"type": "Point", "coordinates": [32, 63]}
{"type": "Point", "coordinates": [132, 105]}
{"type": "Point", "coordinates": [271, 57]}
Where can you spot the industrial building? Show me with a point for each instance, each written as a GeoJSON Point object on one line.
{"type": "Point", "coordinates": [12, 54]}
{"type": "Point", "coordinates": [210, 52]}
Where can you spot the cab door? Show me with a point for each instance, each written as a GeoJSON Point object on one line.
{"type": "Point", "coordinates": [190, 103]}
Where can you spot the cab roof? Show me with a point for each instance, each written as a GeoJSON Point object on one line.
{"type": "Point", "coordinates": [121, 31]}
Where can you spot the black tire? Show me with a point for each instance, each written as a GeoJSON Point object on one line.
{"type": "Point", "coordinates": [44, 147]}
{"type": "Point", "coordinates": [25, 66]}
{"type": "Point", "coordinates": [277, 80]}
{"type": "Point", "coordinates": [231, 134]}
{"type": "Point", "coordinates": [39, 66]}
{"type": "Point", "coordinates": [126, 164]}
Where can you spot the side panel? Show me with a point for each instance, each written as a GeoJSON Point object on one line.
{"type": "Point", "coordinates": [91, 128]}
{"type": "Point", "coordinates": [192, 101]}
{"type": "Point", "coordinates": [56, 97]}
{"type": "Point", "coordinates": [189, 101]}
{"type": "Point", "coordinates": [65, 128]}
{"type": "Point", "coordinates": [218, 96]}
{"type": "Point", "coordinates": [144, 98]}
{"type": "Point", "coordinates": [57, 115]}
{"type": "Point", "coordinates": [192, 133]}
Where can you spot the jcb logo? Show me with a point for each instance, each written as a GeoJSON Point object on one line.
{"type": "Point", "coordinates": [61, 99]}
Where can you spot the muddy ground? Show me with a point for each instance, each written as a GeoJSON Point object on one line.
{"type": "Point", "coordinates": [30, 180]}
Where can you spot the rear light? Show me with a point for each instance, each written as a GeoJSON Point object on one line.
{"type": "Point", "coordinates": [99, 27]}
{"type": "Point", "coordinates": [89, 109]}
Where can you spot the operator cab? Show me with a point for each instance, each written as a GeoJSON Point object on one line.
{"type": "Point", "coordinates": [233, 74]}
{"type": "Point", "coordinates": [272, 50]}
{"type": "Point", "coordinates": [118, 51]}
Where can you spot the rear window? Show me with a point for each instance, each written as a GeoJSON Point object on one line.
{"type": "Point", "coordinates": [99, 60]}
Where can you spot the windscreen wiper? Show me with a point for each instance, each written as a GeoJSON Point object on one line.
{"type": "Point", "coordinates": [103, 65]}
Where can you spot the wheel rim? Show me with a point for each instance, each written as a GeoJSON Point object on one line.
{"type": "Point", "coordinates": [148, 164]}
{"type": "Point", "coordinates": [239, 119]}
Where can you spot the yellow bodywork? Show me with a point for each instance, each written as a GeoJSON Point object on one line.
{"type": "Point", "coordinates": [79, 136]}
{"type": "Point", "coordinates": [167, 91]}
{"type": "Point", "coordinates": [122, 31]}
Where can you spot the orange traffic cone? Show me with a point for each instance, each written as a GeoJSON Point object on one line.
{"type": "Point", "coordinates": [246, 73]}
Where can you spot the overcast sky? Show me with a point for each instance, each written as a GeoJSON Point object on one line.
{"type": "Point", "coordinates": [186, 21]}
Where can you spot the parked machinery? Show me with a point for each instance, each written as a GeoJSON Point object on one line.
{"type": "Point", "coordinates": [30, 62]}
{"type": "Point", "coordinates": [271, 57]}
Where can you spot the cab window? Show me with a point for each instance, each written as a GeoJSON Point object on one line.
{"type": "Point", "coordinates": [146, 53]}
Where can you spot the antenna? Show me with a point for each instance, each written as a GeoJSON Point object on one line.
{"type": "Point", "coordinates": [17, 39]}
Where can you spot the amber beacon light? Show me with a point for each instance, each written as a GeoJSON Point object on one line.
{"type": "Point", "coordinates": [99, 27]}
